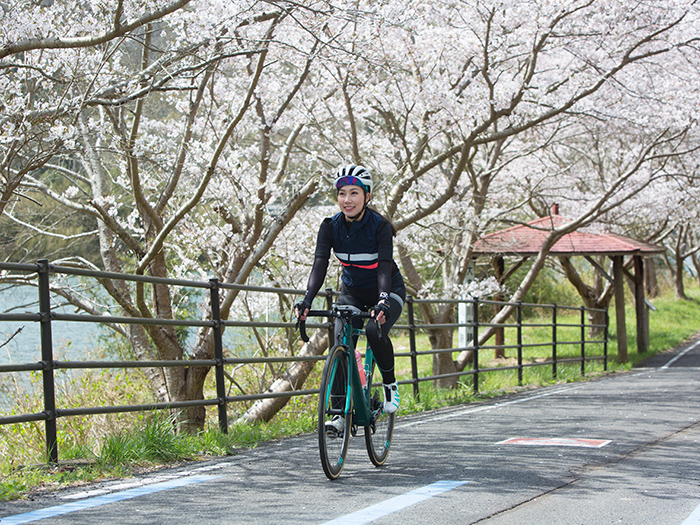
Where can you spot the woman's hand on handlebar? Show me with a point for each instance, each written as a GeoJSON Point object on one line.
{"type": "Point", "coordinates": [301, 310]}
{"type": "Point", "coordinates": [380, 311]}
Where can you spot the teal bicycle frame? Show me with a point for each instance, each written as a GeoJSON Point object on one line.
{"type": "Point", "coordinates": [360, 394]}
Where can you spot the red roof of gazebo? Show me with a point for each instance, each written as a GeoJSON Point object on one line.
{"type": "Point", "coordinates": [527, 239]}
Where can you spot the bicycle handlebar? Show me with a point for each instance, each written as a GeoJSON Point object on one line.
{"type": "Point", "coordinates": [336, 313]}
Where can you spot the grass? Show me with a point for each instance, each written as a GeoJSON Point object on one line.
{"type": "Point", "coordinates": [110, 447]}
{"type": "Point", "coordinates": [149, 444]}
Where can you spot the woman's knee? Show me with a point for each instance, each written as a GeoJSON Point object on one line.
{"type": "Point", "coordinates": [372, 331]}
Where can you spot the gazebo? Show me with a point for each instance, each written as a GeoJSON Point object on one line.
{"type": "Point", "coordinates": [526, 240]}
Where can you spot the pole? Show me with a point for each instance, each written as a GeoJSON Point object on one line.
{"type": "Point", "coordinates": [47, 361]}
{"type": "Point", "coordinates": [217, 333]}
{"type": "Point", "coordinates": [412, 342]}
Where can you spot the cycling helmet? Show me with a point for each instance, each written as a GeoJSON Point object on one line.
{"type": "Point", "coordinates": [352, 175]}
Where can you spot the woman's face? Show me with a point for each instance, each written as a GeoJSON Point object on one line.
{"type": "Point", "coordinates": [351, 201]}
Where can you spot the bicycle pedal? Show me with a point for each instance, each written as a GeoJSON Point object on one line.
{"type": "Point", "coordinates": [353, 430]}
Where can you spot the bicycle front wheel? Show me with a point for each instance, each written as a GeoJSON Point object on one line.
{"type": "Point", "coordinates": [334, 412]}
{"type": "Point", "coordinates": [380, 431]}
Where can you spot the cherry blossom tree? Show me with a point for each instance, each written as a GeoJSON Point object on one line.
{"type": "Point", "coordinates": [193, 138]}
{"type": "Point", "coordinates": [36, 127]}
{"type": "Point", "coordinates": [447, 97]}
{"type": "Point", "coordinates": [176, 138]}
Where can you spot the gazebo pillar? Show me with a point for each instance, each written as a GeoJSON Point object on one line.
{"type": "Point", "coordinates": [641, 306]}
{"type": "Point", "coordinates": [499, 267]}
{"type": "Point", "coordinates": [619, 285]}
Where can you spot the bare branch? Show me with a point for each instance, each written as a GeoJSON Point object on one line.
{"type": "Point", "coordinates": [92, 40]}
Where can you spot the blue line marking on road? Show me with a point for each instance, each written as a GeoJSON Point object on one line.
{"type": "Point", "coordinates": [89, 503]}
{"type": "Point", "coordinates": [395, 504]}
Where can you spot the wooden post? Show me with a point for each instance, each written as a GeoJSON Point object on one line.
{"type": "Point", "coordinates": [619, 284]}
{"type": "Point", "coordinates": [500, 339]}
{"type": "Point", "coordinates": [641, 306]}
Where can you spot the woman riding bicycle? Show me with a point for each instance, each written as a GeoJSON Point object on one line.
{"type": "Point", "coordinates": [362, 240]}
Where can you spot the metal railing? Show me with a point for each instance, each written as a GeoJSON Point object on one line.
{"type": "Point", "coordinates": [519, 325]}
{"type": "Point", "coordinates": [48, 365]}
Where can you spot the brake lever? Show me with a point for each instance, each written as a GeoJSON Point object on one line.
{"type": "Point", "coordinates": [380, 334]}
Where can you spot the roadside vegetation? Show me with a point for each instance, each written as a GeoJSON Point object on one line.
{"type": "Point", "coordinates": [97, 448]}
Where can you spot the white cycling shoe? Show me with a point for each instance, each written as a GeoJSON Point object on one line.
{"type": "Point", "coordinates": [336, 426]}
{"type": "Point", "coordinates": [391, 398]}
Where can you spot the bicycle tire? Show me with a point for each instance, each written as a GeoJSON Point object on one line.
{"type": "Point", "coordinates": [333, 401]}
{"type": "Point", "coordinates": [379, 433]}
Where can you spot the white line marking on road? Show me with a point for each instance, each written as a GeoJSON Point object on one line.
{"type": "Point", "coordinates": [395, 504]}
{"type": "Point", "coordinates": [460, 413]}
{"type": "Point", "coordinates": [694, 518]}
{"type": "Point", "coordinates": [58, 510]}
{"type": "Point", "coordinates": [690, 348]}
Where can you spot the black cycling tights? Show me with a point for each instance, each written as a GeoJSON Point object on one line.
{"type": "Point", "coordinates": [383, 349]}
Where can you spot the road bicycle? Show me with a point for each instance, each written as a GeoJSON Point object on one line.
{"type": "Point", "coordinates": [342, 395]}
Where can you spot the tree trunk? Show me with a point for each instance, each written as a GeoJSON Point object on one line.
{"type": "Point", "coordinates": [596, 296]}
{"type": "Point", "coordinates": [650, 279]}
{"type": "Point", "coordinates": [443, 362]}
{"type": "Point", "coordinates": [678, 277]}
{"type": "Point", "coordinates": [679, 258]}
{"type": "Point", "coordinates": [439, 338]}
{"type": "Point", "coordinates": [640, 302]}
{"type": "Point", "coordinates": [500, 340]}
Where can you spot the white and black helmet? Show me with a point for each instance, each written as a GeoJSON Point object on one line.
{"type": "Point", "coordinates": [352, 175]}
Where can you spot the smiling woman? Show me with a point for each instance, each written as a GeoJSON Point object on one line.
{"type": "Point", "coordinates": [362, 240]}
{"type": "Point", "coordinates": [352, 202]}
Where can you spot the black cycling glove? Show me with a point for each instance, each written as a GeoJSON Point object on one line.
{"type": "Point", "coordinates": [382, 305]}
{"type": "Point", "coordinates": [302, 306]}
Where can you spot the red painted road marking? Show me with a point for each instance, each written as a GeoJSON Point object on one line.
{"type": "Point", "coordinates": [557, 442]}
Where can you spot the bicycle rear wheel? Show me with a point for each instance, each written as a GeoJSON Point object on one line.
{"type": "Point", "coordinates": [333, 402]}
{"type": "Point", "coordinates": [381, 429]}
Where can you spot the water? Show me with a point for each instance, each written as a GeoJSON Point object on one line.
{"type": "Point", "coordinates": [21, 340]}
{"type": "Point", "coordinates": [20, 343]}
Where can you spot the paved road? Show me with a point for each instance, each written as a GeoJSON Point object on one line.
{"type": "Point", "coordinates": [621, 449]}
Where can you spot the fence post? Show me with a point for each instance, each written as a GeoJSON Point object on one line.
{"type": "Point", "coordinates": [475, 361]}
{"type": "Point", "coordinates": [605, 340]}
{"type": "Point", "coordinates": [412, 342]}
{"type": "Point", "coordinates": [554, 341]}
{"type": "Point", "coordinates": [218, 354]}
{"type": "Point", "coordinates": [519, 310]}
{"type": "Point", "coordinates": [583, 340]}
{"type": "Point", "coordinates": [47, 361]}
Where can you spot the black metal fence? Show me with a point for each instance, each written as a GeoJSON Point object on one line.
{"type": "Point", "coordinates": [48, 364]}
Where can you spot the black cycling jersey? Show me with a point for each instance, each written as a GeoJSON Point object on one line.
{"type": "Point", "coordinates": [364, 248]}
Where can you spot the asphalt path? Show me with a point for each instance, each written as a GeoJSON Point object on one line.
{"type": "Point", "coordinates": [620, 449]}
